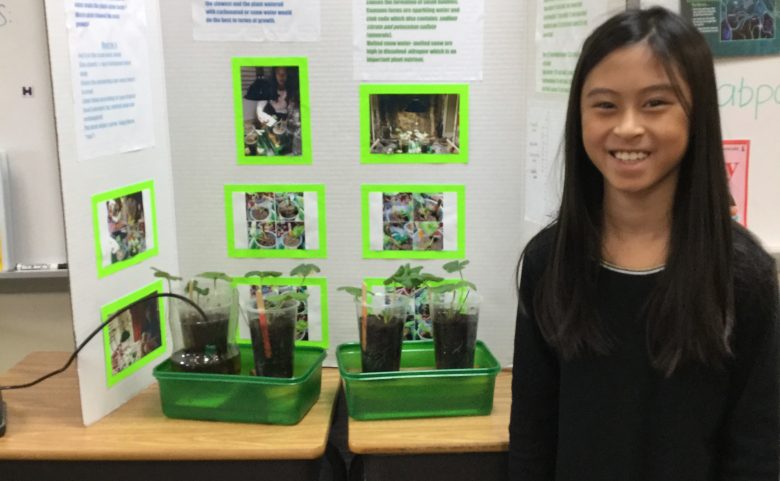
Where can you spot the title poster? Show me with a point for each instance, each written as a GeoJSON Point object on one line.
{"type": "Point", "coordinates": [256, 21]}
{"type": "Point", "coordinates": [561, 27]}
{"type": "Point", "coordinates": [737, 157]}
{"type": "Point", "coordinates": [544, 143]}
{"type": "Point", "coordinates": [736, 28]}
{"type": "Point", "coordinates": [418, 39]}
{"type": "Point", "coordinates": [109, 58]}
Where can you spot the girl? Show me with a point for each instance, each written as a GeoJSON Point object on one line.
{"type": "Point", "coordinates": [647, 334]}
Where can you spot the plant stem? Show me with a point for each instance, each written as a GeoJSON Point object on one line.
{"type": "Point", "coordinates": [363, 318]}
{"type": "Point", "coordinates": [263, 321]}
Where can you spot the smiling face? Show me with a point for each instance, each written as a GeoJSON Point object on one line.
{"type": "Point", "coordinates": [634, 127]}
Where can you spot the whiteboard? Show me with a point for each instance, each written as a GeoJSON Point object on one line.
{"type": "Point", "coordinates": [28, 134]}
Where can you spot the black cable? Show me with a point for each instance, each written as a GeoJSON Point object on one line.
{"type": "Point", "coordinates": [93, 334]}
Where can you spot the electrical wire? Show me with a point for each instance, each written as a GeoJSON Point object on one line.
{"type": "Point", "coordinates": [155, 295]}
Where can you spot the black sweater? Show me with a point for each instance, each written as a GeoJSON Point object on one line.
{"type": "Point", "coordinates": [614, 418]}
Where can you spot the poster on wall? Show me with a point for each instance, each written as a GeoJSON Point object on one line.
{"type": "Point", "coordinates": [256, 21]}
{"type": "Point", "coordinates": [272, 110]}
{"type": "Point", "coordinates": [413, 123]}
{"type": "Point", "coordinates": [137, 336]}
{"type": "Point", "coordinates": [413, 221]}
{"type": "Point", "coordinates": [311, 318]}
{"type": "Point", "coordinates": [737, 157]}
{"type": "Point", "coordinates": [736, 28]}
{"type": "Point", "coordinates": [286, 221]}
{"type": "Point", "coordinates": [561, 27]}
{"type": "Point", "coordinates": [125, 228]}
{"type": "Point", "coordinates": [544, 143]}
{"type": "Point", "coordinates": [109, 63]}
{"type": "Point", "coordinates": [418, 40]}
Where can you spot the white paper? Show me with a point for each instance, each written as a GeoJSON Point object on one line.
{"type": "Point", "coordinates": [109, 58]}
{"type": "Point", "coordinates": [6, 256]}
{"type": "Point", "coordinates": [256, 21]}
{"type": "Point", "coordinates": [561, 27]}
{"type": "Point", "coordinates": [544, 160]}
{"type": "Point", "coordinates": [418, 39]}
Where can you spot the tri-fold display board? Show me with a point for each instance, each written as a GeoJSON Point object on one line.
{"type": "Point", "coordinates": [266, 154]}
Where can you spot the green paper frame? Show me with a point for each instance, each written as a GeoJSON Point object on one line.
{"type": "Point", "coordinates": [233, 251]}
{"type": "Point", "coordinates": [320, 282]}
{"type": "Point", "coordinates": [366, 90]}
{"type": "Point", "coordinates": [151, 210]}
{"type": "Point", "coordinates": [303, 84]}
{"type": "Point", "coordinates": [107, 310]}
{"type": "Point", "coordinates": [458, 253]}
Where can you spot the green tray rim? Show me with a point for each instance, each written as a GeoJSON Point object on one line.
{"type": "Point", "coordinates": [160, 372]}
{"type": "Point", "coordinates": [408, 346]}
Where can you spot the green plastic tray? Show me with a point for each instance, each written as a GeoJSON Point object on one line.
{"type": "Point", "coordinates": [418, 389]}
{"type": "Point", "coordinates": [243, 398]}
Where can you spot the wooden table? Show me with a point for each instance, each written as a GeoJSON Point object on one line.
{"type": "Point", "coordinates": [45, 436]}
{"type": "Point", "coordinates": [449, 448]}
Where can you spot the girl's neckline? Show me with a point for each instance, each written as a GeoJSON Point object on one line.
{"type": "Point", "coordinates": [633, 272]}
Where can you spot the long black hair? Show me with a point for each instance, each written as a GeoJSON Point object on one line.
{"type": "Point", "coordinates": [684, 323]}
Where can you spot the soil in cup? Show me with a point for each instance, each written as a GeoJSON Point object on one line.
{"type": "Point", "coordinates": [383, 344]}
{"type": "Point", "coordinates": [282, 337]}
{"type": "Point", "coordinates": [453, 339]}
{"type": "Point", "coordinates": [206, 347]}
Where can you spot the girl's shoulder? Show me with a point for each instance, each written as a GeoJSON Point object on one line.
{"type": "Point", "coordinates": [539, 249]}
{"type": "Point", "coordinates": [751, 262]}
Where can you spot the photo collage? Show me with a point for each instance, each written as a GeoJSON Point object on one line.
{"type": "Point", "coordinates": [413, 221]}
{"type": "Point", "coordinates": [275, 220]}
{"type": "Point", "coordinates": [126, 226]}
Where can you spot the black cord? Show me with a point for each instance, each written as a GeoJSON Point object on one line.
{"type": "Point", "coordinates": [95, 332]}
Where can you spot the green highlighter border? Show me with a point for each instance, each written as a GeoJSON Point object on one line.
{"type": "Point", "coordinates": [368, 253]}
{"type": "Point", "coordinates": [366, 90]}
{"type": "Point", "coordinates": [320, 282]}
{"type": "Point", "coordinates": [320, 253]}
{"type": "Point", "coordinates": [109, 309]}
{"type": "Point", "coordinates": [151, 209]}
{"type": "Point", "coordinates": [303, 84]}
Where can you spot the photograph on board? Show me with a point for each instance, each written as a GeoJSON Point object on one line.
{"type": "Point", "coordinates": [275, 220]}
{"type": "Point", "coordinates": [124, 227]}
{"type": "Point", "coordinates": [137, 335]}
{"type": "Point", "coordinates": [413, 221]}
{"type": "Point", "coordinates": [271, 103]}
{"type": "Point", "coordinates": [413, 123]}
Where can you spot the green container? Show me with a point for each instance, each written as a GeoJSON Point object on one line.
{"type": "Point", "coordinates": [243, 398]}
{"type": "Point", "coordinates": [418, 390]}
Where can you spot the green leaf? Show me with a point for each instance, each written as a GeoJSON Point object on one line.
{"type": "Point", "coordinates": [431, 278]}
{"type": "Point", "coordinates": [454, 266]}
{"type": "Point", "coordinates": [164, 275]}
{"type": "Point", "coordinates": [262, 274]}
{"type": "Point", "coordinates": [221, 276]}
{"type": "Point", "coordinates": [356, 292]}
{"type": "Point", "coordinates": [304, 270]}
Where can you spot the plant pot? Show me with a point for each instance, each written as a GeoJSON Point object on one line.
{"type": "Point", "coordinates": [384, 323]}
{"type": "Point", "coordinates": [273, 355]}
{"type": "Point", "coordinates": [206, 345]}
{"type": "Point", "coordinates": [455, 316]}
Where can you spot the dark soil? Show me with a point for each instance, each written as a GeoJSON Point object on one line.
{"type": "Point", "coordinates": [290, 240]}
{"type": "Point", "coordinates": [206, 348]}
{"type": "Point", "coordinates": [383, 344]}
{"type": "Point", "coordinates": [282, 335]}
{"type": "Point", "coordinates": [259, 213]}
{"type": "Point", "coordinates": [453, 341]}
{"type": "Point", "coordinates": [287, 209]}
{"type": "Point", "coordinates": [267, 240]}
